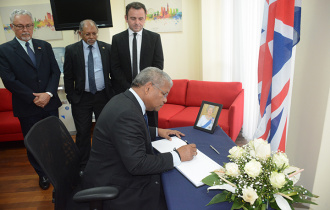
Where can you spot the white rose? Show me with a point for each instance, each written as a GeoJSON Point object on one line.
{"type": "Point", "coordinates": [255, 143]}
{"type": "Point", "coordinates": [280, 159]}
{"type": "Point", "coordinates": [232, 169]}
{"type": "Point", "coordinates": [249, 195]}
{"type": "Point", "coordinates": [277, 180]}
{"type": "Point", "coordinates": [236, 152]}
{"type": "Point", "coordinates": [253, 168]}
{"type": "Point", "coordinates": [261, 148]}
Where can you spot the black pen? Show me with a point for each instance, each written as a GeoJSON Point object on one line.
{"type": "Point", "coordinates": [186, 141]}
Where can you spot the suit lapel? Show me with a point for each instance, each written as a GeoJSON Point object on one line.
{"type": "Point", "coordinates": [144, 46]}
{"type": "Point", "coordinates": [38, 51]}
{"type": "Point", "coordinates": [21, 52]}
{"type": "Point", "coordinates": [103, 59]}
{"type": "Point", "coordinates": [130, 95]}
{"type": "Point", "coordinates": [81, 60]}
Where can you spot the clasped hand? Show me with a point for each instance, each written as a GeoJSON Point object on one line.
{"type": "Point", "coordinates": [41, 99]}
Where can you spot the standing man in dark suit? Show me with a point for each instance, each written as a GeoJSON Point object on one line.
{"type": "Point", "coordinates": [122, 153]}
{"type": "Point", "coordinates": [87, 82]}
{"type": "Point", "coordinates": [135, 49]}
{"type": "Point", "coordinates": [30, 72]}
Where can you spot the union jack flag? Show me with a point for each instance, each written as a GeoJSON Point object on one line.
{"type": "Point", "coordinates": [280, 32]}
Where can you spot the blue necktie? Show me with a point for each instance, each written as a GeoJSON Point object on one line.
{"type": "Point", "coordinates": [146, 120]}
{"type": "Point", "coordinates": [134, 57]}
{"type": "Point", "coordinates": [91, 76]}
{"type": "Point", "coordinates": [31, 53]}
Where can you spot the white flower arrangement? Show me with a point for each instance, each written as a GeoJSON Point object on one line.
{"type": "Point", "coordinates": [256, 179]}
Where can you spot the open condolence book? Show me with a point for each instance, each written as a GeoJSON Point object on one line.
{"type": "Point", "coordinates": [196, 169]}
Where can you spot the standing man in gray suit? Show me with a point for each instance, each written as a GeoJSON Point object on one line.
{"type": "Point", "coordinates": [135, 49]}
{"type": "Point", "coordinates": [87, 82]}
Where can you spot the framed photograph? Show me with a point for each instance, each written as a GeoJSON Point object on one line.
{"type": "Point", "coordinates": [208, 115]}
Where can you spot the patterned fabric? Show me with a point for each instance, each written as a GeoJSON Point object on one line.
{"type": "Point", "coordinates": [280, 32]}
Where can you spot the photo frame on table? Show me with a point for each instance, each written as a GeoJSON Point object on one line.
{"type": "Point", "coordinates": [208, 116]}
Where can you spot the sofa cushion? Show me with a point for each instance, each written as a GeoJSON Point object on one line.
{"type": "Point", "coordinates": [217, 92]}
{"type": "Point", "coordinates": [186, 117]}
{"type": "Point", "coordinates": [5, 104]}
{"type": "Point", "coordinates": [177, 94]}
{"type": "Point", "coordinates": [166, 112]}
{"type": "Point", "coordinates": [9, 124]}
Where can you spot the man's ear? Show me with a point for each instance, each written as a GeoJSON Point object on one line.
{"type": "Point", "coordinates": [147, 87]}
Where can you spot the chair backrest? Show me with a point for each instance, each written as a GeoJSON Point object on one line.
{"type": "Point", "coordinates": [52, 146]}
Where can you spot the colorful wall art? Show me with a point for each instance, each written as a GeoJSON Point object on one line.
{"type": "Point", "coordinates": [42, 18]}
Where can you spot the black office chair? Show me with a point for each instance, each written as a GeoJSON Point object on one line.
{"type": "Point", "coordinates": [52, 146]}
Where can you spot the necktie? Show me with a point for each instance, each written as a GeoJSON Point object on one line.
{"type": "Point", "coordinates": [134, 57]}
{"type": "Point", "coordinates": [146, 120]}
{"type": "Point", "coordinates": [31, 53]}
{"type": "Point", "coordinates": [91, 76]}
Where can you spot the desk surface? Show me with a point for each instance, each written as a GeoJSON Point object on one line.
{"type": "Point", "coordinates": [180, 193]}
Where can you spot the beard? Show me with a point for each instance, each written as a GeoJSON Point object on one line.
{"type": "Point", "coordinates": [26, 36]}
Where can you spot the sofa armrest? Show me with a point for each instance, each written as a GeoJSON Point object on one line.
{"type": "Point", "coordinates": [235, 116]}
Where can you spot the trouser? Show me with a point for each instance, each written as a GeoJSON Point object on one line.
{"type": "Point", "coordinates": [82, 114]}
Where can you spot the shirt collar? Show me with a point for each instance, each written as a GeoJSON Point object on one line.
{"type": "Point", "coordinates": [130, 32]}
{"type": "Point", "coordinates": [85, 45]}
{"type": "Point", "coordinates": [142, 105]}
{"type": "Point", "coordinates": [23, 42]}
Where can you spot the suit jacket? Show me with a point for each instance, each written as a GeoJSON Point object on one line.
{"type": "Point", "coordinates": [74, 70]}
{"type": "Point", "coordinates": [22, 78]}
{"type": "Point", "coordinates": [122, 156]}
{"type": "Point", "coordinates": [151, 55]}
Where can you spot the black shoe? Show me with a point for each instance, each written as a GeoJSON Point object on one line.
{"type": "Point", "coordinates": [43, 182]}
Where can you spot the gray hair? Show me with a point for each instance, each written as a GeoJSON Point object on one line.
{"type": "Point", "coordinates": [82, 24]}
{"type": "Point", "coordinates": [19, 12]}
{"type": "Point", "coordinates": [151, 74]}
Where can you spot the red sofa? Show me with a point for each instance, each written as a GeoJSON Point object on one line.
{"type": "Point", "coordinates": [185, 99]}
{"type": "Point", "coordinates": [10, 128]}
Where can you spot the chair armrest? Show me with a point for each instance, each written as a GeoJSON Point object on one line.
{"type": "Point", "coordinates": [236, 111]}
{"type": "Point", "coordinates": [96, 194]}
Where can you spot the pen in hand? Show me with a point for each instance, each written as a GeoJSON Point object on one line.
{"type": "Point", "coordinates": [215, 150]}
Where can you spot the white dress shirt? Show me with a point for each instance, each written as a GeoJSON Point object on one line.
{"type": "Point", "coordinates": [138, 45]}
{"type": "Point", "coordinates": [98, 68]}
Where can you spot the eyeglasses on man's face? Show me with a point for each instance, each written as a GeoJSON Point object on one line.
{"type": "Point", "coordinates": [90, 34]}
{"type": "Point", "coordinates": [164, 94]}
{"type": "Point", "coordinates": [21, 27]}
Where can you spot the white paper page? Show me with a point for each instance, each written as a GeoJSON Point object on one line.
{"type": "Point", "coordinates": [196, 169]}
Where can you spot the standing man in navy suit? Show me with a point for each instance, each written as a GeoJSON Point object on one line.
{"type": "Point", "coordinates": [30, 72]}
{"type": "Point", "coordinates": [135, 49]}
{"type": "Point", "coordinates": [87, 83]}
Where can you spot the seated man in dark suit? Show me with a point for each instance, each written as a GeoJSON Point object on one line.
{"type": "Point", "coordinates": [122, 153]}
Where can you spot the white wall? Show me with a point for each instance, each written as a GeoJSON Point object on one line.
{"type": "Point", "coordinates": [308, 133]}
{"type": "Point", "coordinates": [182, 50]}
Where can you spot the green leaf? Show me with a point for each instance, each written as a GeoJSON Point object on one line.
{"type": "Point", "coordinates": [297, 199]}
{"type": "Point", "coordinates": [238, 204]}
{"type": "Point", "coordinates": [218, 198]}
{"type": "Point", "coordinates": [211, 180]}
